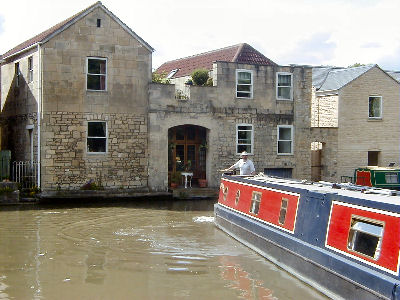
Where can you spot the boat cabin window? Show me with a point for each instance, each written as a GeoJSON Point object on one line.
{"type": "Point", "coordinates": [391, 178]}
{"type": "Point", "coordinates": [225, 192]}
{"type": "Point", "coordinates": [282, 213]}
{"type": "Point", "coordinates": [237, 198]}
{"type": "Point", "coordinates": [255, 202]}
{"type": "Point", "coordinates": [365, 237]}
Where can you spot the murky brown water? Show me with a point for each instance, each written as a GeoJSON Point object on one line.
{"type": "Point", "coordinates": [162, 250]}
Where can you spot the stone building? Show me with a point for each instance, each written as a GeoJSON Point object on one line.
{"type": "Point", "coordinates": [253, 105]}
{"type": "Point", "coordinates": [75, 97]}
{"type": "Point", "coordinates": [355, 120]}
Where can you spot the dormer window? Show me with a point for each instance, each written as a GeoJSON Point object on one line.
{"type": "Point", "coordinates": [98, 22]}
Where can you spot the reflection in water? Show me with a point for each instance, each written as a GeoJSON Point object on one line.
{"type": "Point", "coordinates": [240, 280]}
{"type": "Point", "coordinates": [140, 250]}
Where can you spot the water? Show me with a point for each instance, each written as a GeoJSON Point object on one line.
{"type": "Point", "coordinates": [140, 250]}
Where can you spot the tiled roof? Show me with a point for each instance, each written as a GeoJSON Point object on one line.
{"type": "Point", "coordinates": [334, 78]}
{"type": "Point", "coordinates": [240, 53]}
{"type": "Point", "coordinates": [41, 37]}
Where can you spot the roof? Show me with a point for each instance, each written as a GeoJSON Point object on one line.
{"type": "Point", "coordinates": [334, 78]}
{"type": "Point", "coordinates": [394, 74]}
{"type": "Point", "coordinates": [51, 32]}
{"type": "Point", "coordinates": [240, 53]}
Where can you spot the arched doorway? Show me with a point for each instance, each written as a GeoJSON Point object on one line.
{"type": "Point", "coordinates": [187, 149]}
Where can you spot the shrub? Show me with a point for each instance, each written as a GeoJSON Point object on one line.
{"type": "Point", "coordinates": [209, 82]}
{"type": "Point", "coordinates": [176, 177]}
{"type": "Point", "coordinates": [160, 78]}
{"type": "Point", "coordinates": [200, 76]}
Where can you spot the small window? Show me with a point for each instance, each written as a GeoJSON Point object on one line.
{"type": "Point", "coordinates": [98, 22]}
{"type": "Point", "coordinates": [237, 198]}
{"type": "Point", "coordinates": [225, 193]}
{"type": "Point", "coordinates": [30, 69]}
{"type": "Point", "coordinates": [96, 74]}
{"type": "Point", "coordinates": [244, 138]}
{"type": "Point", "coordinates": [244, 84]}
{"type": "Point", "coordinates": [97, 137]}
{"type": "Point", "coordinates": [282, 213]}
{"type": "Point", "coordinates": [375, 107]}
{"type": "Point", "coordinates": [255, 202]}
{"type": "Point", "coordinates": [373, 158]}
{"type": "Point", "coordinates": [284, 86]}
{"type": "Point", "coordinates": [365, 237]}
{"type": "Point", "coordinates": [17, 74]}
{"type": "Point", "coordinates": [172, 73]}
{"type": "Point", "coordinates": [285, 139]}
{"type": "Point", "coordinates": [391, 177]}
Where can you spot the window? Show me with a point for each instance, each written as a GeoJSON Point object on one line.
{"type": "Point", "coordinates": [255, 202]}
{"type": "Point", "coordinates": [375, 107]}
{"type": "Point", "coordinates": [225, 192]}
{"type": "Point", "coordinates": [391, 178]}
{"type": "Point", "coordinates": [365, 237]}
{"type": "Point", "coordinates": [284, 86]}
{"type": "Point", "coordinates": [237, 198]}
{"type": "Point", "coordinates": [244, 138]}
{"type": "Point", "coordinates": [97, 137]}
{"type": "Point", "coordinates": [373, 158]}
{"type": "Point", "coordinates": [30, 69]}
{"type": "Point", "coordinates": [244, 84]}
{"type": "Point", "coordinates": [285, 139]}
{"type": "Point", "coordinates": [98, 22]}
{"type": "Point", "coordinates": [17, 73]}
{"type": "Point", "coordinates": [96, 74]}
{"type": "Point", "coordinates": [282, 213]}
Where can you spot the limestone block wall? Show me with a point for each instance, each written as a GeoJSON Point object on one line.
{"type": "Point", "coordinates": [357, 133]}
{"type": "Point", "coordinates": [324, 110]}
{"type": "Point", "coordinates": [19, 106]}
{"type": "Point", "coordinates": [66, 164]}
{"type": "Point", "coordinates": [68, 106]}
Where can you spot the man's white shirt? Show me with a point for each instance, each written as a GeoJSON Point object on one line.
{"type": "Point", "coordinates": [246, 167]}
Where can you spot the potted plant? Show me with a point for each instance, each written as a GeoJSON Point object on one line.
{"type": "Point", "coordinates": [202, 182]}
{"type": "Point", "coordinates": [175, 179]}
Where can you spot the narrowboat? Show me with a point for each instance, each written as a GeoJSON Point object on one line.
{"type": "Point", "coordinates": [381, 177]}
{"type": "Point", "coordinates": [342, 239]}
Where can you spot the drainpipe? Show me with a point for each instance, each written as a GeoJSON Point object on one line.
{"type": "Point", "coordinates": [39, 104]}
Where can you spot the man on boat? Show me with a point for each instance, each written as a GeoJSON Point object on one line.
{"type": "Point", "coordinates": [245, 165]}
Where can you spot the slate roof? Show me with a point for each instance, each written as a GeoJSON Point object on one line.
{"type": "Point", "coordinates": [240, 53]}
{"type": "Point", "coordinates": [394, 74]}
{"type": "Point", "coordinates": [334, 78]}
{"type": "Point", "coordinates": [49, 33]}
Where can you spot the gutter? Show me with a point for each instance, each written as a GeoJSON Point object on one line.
{"type": "Point", "coordinates": [39, 112]}
{"type": "Point", "coordinates": [20, 51]}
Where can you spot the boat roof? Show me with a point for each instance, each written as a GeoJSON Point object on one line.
{"type": "Point", "coordinates": [342, 189]}
{"type": "Point", "coordinates": [376, 168]}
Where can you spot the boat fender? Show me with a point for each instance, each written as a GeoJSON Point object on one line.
{"type": "Point", "coordinates": [396, 292]}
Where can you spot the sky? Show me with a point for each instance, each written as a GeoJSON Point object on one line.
{"type": "Point", "coordinates": [309, 32]}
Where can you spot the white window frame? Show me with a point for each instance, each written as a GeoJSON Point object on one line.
{"type": "Point", "coordinates": [278, 139]}
{"type": "Point", "coordinates": [87, 72]}
{"type": "Point", "coordinates": [291, 86]}
{"type": "Point", "coordinates": [381, 107]}
{"type": "Point", "coordinates": [96, 137]}
{"type": "Point", "coordinates": [251, 85]}
{"type": "Point", "coordinates": [252, 137]}
{"type": "Point", "coordinates": [30, 69]}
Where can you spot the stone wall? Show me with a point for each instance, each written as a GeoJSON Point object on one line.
{"type": "Point", "coordinates": [324, 110]}
{"type": "Point", "coordinates": [68, 106]}
{"type": "Point", "coordinates": [66, 163]}
{"type": "Point", "coordinates": [357, 133]}
{"type": "Point", "coordinates": [217, 109]}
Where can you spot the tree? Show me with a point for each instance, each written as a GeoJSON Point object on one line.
{"type": "Point", "coordinates": [200, 76]}
{"type": "Point", "coordinates": [356, 65]}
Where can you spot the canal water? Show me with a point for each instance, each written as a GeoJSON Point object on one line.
{"type": "Point", "coordinates": [137, 250]}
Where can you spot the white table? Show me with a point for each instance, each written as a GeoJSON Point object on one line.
{"type": "Point", "coordinates": [190, 175]}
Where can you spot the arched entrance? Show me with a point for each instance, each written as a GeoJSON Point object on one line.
{"type": "Point", "coordinates": [187, 149]}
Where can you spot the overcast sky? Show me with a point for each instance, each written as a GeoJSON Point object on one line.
{"type": "Point", "coordinates": [313, 32]}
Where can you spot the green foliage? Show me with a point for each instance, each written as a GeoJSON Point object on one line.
{"type": "Point", "coordinates": [6, 189]}
{"type": "Point", "coordinates": [176, 177]}
{"type": "Point", "coordinates": [92, 186]}
{"type": "Point", "coordinates": [209, 82]}
{"type": "Point", "coordinates": [356, 65]}
{"type": "Point", "coordinates": [33, 191]}
{"type": "Point", "coordinates": [189, 81]}
{"type": "Point", "coordinates": [160, 78]}
{"type": "Point", "coordinates": [200, 76]}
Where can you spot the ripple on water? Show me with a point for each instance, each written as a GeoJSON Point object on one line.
{"type": "Point", "coordinates": [203, 219]}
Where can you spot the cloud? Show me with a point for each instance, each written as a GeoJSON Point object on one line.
{"type": "Point", "coordinates": [1, 24]}
{"type": "Point", "coordinates": [371, 45]}
{"type": "Point", "coordinates": [315, 50]}
{"type": "Point", "coordinates": [390, 61]}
